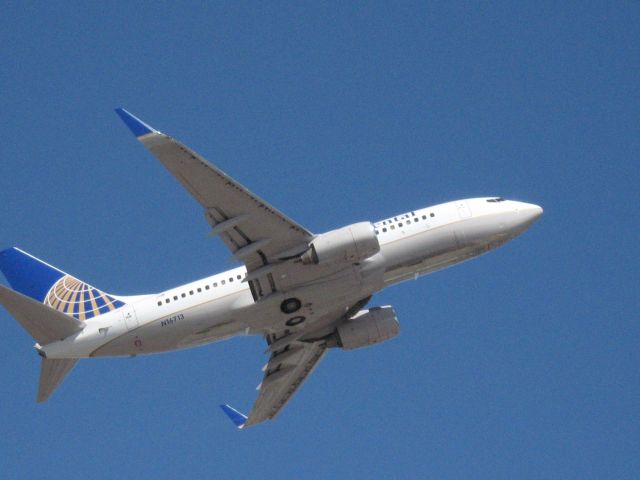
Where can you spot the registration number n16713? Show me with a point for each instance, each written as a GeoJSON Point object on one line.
{"type": "Point", "coordinates": [171, 320]}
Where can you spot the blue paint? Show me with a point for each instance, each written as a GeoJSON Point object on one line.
{"type": "Point", "coordinates": [236, 417]}
{"type": "Point", "coordinates": [137, 126]}
{"type": "Point", "coordinates": [99, 301]}
{"type": "Point", "coordinates": [28, 275]}
{"type": "Point", "coordinates": [35, 278]}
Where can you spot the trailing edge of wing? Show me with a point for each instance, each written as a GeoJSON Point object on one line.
{"type": "Point", "coordinates": [137, 126]}
{"type": "Point", "coordinates": [236, 417]}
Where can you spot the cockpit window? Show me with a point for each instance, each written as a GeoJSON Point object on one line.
{"type": "Point", "coordinates": [495, 200]}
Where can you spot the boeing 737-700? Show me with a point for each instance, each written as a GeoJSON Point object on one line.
{"type": "Point", "coordinates": [304, 293]}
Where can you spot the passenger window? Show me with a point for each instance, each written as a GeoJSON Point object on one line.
{"type": "Point", "coordinates": [231, 279]}
{"type": "Point", "coordinates": [167, 300]}
{"type": "Point", "coordinates": [377, 232]}
{"type": "Point", "coordinates": [393, 227]}
{"type": "Point", "coordinates": [222, 282]}
{"type": "Point", "coordinates": [183, 295]}
{"type": "Point", "coordinates": [424, 217]}
{"type": "Point", "coordinates": [432, 214]}
{"type": "Point", "coordinates": [160, 303]}
{"type": "Point", "coordinates": [206, 287]}
{"type": "Point", "coordinates": [215, 284]}
{"type": "Point", "coordinates": [400, 224]}
{"type": "Point", "coordinates": [239, 277]}
{"type": "Point", "coordinates": [384, 230]}
{"type": "Point", "coordinates": [190, 292]}
{"type": "Point", "coordinates": [408, 222]}
{"type": "Point", "coordinates": [199, 290]}
{"type": "Point", "coordinates": [175, 297]}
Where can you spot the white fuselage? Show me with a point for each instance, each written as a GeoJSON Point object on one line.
{"type": "Point", "coordinates": [221, 306]}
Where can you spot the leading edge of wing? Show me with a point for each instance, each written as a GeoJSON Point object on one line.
{"type": "Point", "coordinates": [137, 126]}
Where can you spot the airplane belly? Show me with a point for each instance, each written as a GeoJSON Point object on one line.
{"type": "Point", "coordinates": [441, 247]}
{"type": "Point", "coordinates": [195, 325]}
{"type": "Point", "coordinates": [340, 291]}
{"type": "Point", "coordinates": [407, 257]}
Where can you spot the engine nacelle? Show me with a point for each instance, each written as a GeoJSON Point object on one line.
{"type": "Point", "coordinates": [367, 327]}
{"type": "Point", "coordinates": [350, 244]}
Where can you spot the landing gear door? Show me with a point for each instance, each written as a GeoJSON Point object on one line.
{"type": "Point", "coordinates": [130, 317]}
{"type": "Point", "coordinates": [463, 209]}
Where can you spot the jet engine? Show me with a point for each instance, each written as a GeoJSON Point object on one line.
{"type": "Point", "coordinates": [350, 244]}
{"type": "Point", "coordinates": [367, 327]}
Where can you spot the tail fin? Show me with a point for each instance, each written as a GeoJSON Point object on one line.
{"type": "Point", "coordinates": [52, 373]}
{"type": "Point", "coordinates": [53, 287]}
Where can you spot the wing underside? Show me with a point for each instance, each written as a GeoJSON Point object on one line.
{"type": "Point", "coordinates": [285, 372]}
{"type": "Point", "coordinates": [294, 356]}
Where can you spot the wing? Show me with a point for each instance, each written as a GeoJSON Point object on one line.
{"type": "Point", "coordinates": [294, 355]}
{"type": "Point", "coordinates": [285, 372]}
{"type": "Point", "coordinates": [256, 233]}
{"type": "Point", "coordinates": [287, 369]}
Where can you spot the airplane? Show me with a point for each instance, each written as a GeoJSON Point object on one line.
{"type": "Point", "coordinates": [304, 293]}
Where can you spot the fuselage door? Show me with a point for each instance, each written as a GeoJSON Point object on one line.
{"type": "Point", "coordinates": [463, 209]}
{"type": "Point", "coordinates": [130, 317]}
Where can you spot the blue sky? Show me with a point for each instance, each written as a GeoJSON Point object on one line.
{"type": "Point", "coordinates": [521, 364]}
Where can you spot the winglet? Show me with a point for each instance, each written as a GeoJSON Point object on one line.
{"type": "Point", "coordinates": [236, 417]}
{"type": "Point", "coordinates": [137, 126]}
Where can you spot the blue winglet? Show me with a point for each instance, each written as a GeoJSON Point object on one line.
{"type": "Point", "coordinates": [137, 126]}
{"type": "Point", "coordinates": [236, 417]}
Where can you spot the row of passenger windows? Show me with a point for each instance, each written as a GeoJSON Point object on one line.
{"type": "Point", "coordinates": [408, 221]}
{"type": "Point", "coordinates": [198, 290]}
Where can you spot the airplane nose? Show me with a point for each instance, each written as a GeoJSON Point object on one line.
{"type": "Point", "coordinates": [527, 213]}
{"type": "Point", "coordinates": [530, 211]}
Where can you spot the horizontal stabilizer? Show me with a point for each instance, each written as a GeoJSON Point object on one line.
{"type": "Point", "coordinates": [43, 323]}
{"type": "Point", "coordinates": [52, 373]}
{"type": "Point", "coordinates": [236, 417]}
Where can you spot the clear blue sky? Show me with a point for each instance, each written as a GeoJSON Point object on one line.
{"type": "Point", "coordinates": [521, 364]}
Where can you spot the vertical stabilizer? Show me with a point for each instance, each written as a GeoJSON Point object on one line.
{"type": "Point", "coordinates": [52, 373]}
{"type": "Point", "coordinates": [28, 275]}
{"type": "Point", "coordinates": [46, 284]}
